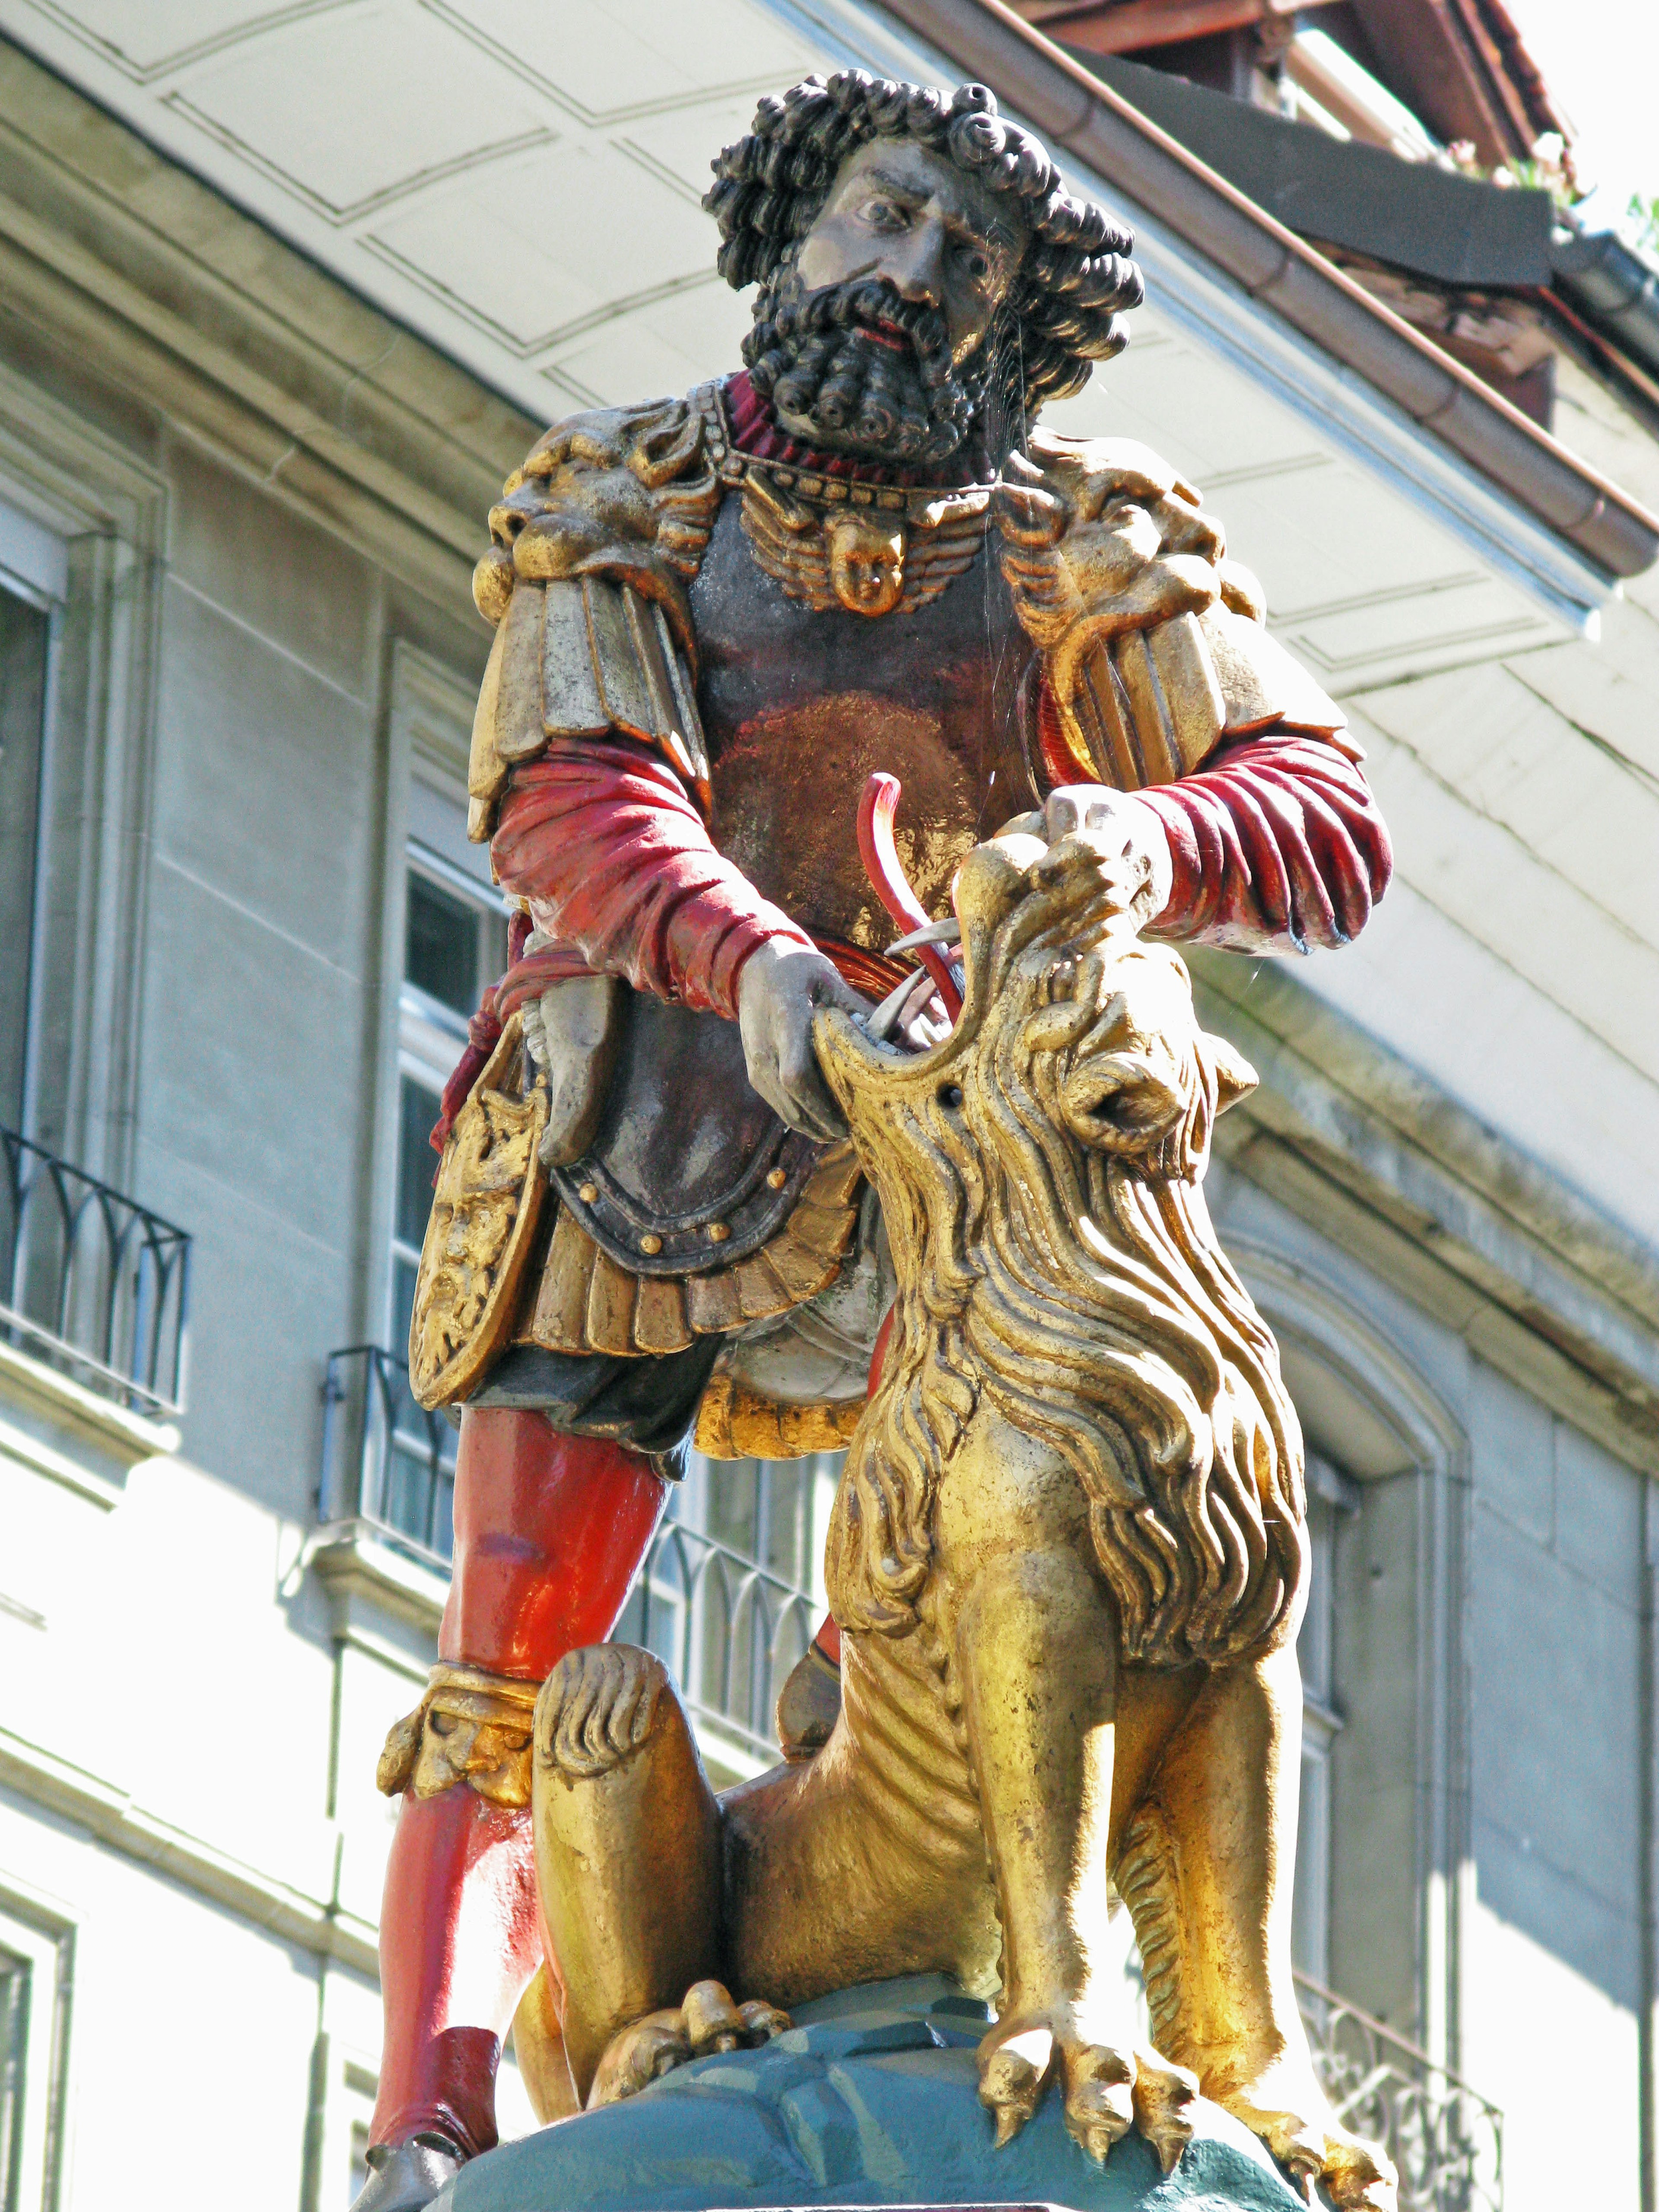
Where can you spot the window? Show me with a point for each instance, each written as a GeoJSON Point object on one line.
{"type": "Point", "coordinates": [730, 1593]}
{"type": "Point", "coordinates": [35, 1993]}
{"type": "Point", "coordinates": [357, 2178]}
{"type": "Point", "coordinates": [454, 947]}
{"type": "Point", "coordinates": [25, 631]}
{"type": "Point", "coordinates": [1331, 1496]}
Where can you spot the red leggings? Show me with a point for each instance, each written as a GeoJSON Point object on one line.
{"type": "Point", "coordinates": [549, 1532]}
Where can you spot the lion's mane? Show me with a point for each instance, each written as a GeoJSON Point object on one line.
{"type": "Point", "coordinates": [1080, 1288]}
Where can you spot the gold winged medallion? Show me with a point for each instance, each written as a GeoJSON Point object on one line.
{"type": "Point", "coordinates": [870, 549]}
{"type": "Point", "coordinates": [478, 1237]}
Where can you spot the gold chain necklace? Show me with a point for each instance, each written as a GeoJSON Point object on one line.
{"type": "Point", "coordinates": [829, 542]}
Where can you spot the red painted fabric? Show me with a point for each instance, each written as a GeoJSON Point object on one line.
{"type": "Point", "coordinates": [605, 843]}
{"type": "Point", "coordinates": [550, 1531]}
{"type": "Point", "coordinates": [460, 1937]}
{"type": "Point", "coordinates": [1278, 847]}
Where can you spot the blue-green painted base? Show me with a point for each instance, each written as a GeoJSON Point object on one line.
{"type": "Point", "coordinates": [871, 2098]}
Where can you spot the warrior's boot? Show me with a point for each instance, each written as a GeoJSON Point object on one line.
{"type": "Point", "coordinates": [550, 1531]}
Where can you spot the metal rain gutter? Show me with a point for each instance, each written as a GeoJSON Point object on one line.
{"type": "Point", "coordinates": [1613, 286]}
{"type": "Point", "coordinates": [1076, 111]}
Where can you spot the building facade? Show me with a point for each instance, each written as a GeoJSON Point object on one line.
{"type": "Point", "coordinates": [284, 295]}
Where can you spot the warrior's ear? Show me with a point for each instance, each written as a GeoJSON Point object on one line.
{"type": "Point", "coordinates": [1235, 1078]}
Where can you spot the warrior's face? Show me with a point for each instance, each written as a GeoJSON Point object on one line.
{"type": "Point", "coordinates": [899, 211]}
{"type": "Point", "coordinates": [882, 318]}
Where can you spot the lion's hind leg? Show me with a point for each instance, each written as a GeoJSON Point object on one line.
{"type": "Point", "coordinates": [627, 1859]}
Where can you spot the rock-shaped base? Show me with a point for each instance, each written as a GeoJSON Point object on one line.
{"type": "Point", "coordinates": [871, 2098]}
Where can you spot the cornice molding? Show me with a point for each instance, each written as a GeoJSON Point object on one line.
{"type": "Point", "coordinates": [1445, 1208]}
{"type": "Point", "coordinates": [112, 1814]}
{"type": "Point", "coordinates": [154, 283]}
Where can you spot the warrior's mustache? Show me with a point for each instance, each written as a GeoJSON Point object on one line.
{"type": "Point", "coordinates": [874, 306]}
{"type": "Point", "coordinates": [864, 366]}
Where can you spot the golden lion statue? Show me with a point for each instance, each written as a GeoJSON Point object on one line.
{"type": "Point", "coordinates": [1068, 1558]}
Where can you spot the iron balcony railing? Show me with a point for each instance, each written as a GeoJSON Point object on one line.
{"type": "Point", "coordinates": [386, 1461]}
{"type": "Point", "coordinates": [1446, 2139]}
{"type": "Point", "coordinates": [729, 1629]}
{"type": "Point", "coordinates": [93, 1284]}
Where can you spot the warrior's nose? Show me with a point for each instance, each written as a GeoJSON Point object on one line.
{"type": "Point", "coordinates": [915, 264]}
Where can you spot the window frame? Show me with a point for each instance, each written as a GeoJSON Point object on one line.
{"type": "Point", "coordinates": [428, 738]}
{"type": "Point", "coordinates": [83, 532]}
{"type": "Point", "coordinates": [42, 591]}
{"type": "Point", "coordinates": [42, 1940]}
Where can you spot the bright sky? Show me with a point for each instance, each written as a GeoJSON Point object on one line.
{"type": "Point", "coordinates": [1601, 60]}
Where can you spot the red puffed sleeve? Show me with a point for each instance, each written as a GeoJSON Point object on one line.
{"type": "Point", "coordinates": [1277, 846]}
{"type": "Point", "coordinates": [605, 844]}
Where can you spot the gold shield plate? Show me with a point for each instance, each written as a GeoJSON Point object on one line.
{"type": "Point", "coordinates": [484, 1210]}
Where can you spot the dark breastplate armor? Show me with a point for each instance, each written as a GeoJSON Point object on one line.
{"type": "Point", "coordinates": [799, 707]}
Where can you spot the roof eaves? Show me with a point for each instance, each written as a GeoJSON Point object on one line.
{"type": "Point", "coordinates": [1076, 111]}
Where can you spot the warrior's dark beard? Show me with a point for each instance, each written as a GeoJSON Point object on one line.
{"type": "Point", "coordinates": [896, 396]}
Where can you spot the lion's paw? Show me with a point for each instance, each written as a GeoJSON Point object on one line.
{"type": "Point", "coordinates": [1107, 2090]}
{"type": "Point", "coordinates": [1305, 2135]}
{"type": "Point", "coordinates": [709, 2021]}
{"type": "Point", "coordinates": [596, 1707]}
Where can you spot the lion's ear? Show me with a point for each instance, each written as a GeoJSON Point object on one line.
{"type": "Point", "coordinates": [1235, 1078]}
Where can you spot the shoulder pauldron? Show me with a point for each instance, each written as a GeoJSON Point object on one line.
{"type": "Point", "coordinates": [594, 540]}
{"type": "Point", "coordinates": [1154, 643]}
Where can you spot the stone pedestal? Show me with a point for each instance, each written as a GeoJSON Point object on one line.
{"type": "Point", "coordinates": [871, 2098]}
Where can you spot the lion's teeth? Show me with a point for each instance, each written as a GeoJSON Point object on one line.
{"type": "Point", "coordinates": [900, 1002]}
{"type": "Point", "coordinates": [948, 932]}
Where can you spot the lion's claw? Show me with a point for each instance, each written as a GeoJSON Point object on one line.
{"type": "Point", "coordinates": [705, 2022]}
{"type": "Point", "coordinates": [1305, 2135]}
{"type": "Point", "coordinates": [1108, 2090]}
{"type": "Point", "coordinates": [1164, 2097]}
{"type": "Point", "coordinates": [1012, 2068]}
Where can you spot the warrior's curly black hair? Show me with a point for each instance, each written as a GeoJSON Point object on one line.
{"type": "Point", "coordinates": [1076, 276]}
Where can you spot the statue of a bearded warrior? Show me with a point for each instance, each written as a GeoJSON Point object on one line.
{"type": "Point", "coordinates": [717, 617]}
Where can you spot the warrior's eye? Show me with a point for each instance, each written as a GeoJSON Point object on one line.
{"type": "Point", "coordinates": [885, 215]}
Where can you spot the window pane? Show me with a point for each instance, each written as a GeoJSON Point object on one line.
{"type": "Point", "coordinates": [23, 635]}
{"type": "Point", "coordinates": [403, 1305]}
{"type": "Point", "coordinates": [418, 1109]}
{"type": "Point", "coordinates": [13, 2040]}
{"type": "Point", "coordinates": [441, 946]}
{"type": "Point", "coordinates": [734, 1504]}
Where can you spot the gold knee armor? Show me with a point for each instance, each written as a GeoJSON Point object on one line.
{"type": "Point", "coordinates": [470, 1726]}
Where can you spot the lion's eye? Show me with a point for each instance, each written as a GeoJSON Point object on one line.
{"type": "Point", "coordinates": [950, 1096]}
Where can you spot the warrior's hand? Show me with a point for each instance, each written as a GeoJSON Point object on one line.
{"type": "Point", "coordinates": [781, 987]}
{"type": "Point", "coordinates": [1129, 836]}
